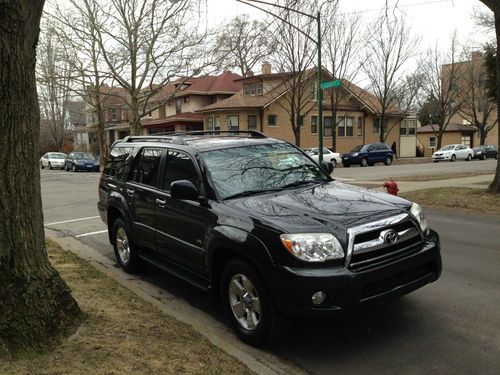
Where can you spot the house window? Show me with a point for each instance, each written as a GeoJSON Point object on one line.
{"type": "Point", "coordinates": [432, 142]}
{"type": "Point", "coordinates": [113, 114]}
{"type": "Point", "coordinates": [272, 120]}
{"type": "Point", "coordinates": [361, 123]}
{"type": "Point", "coordinates": [178, 106]}
{"type": "Point", "coordinates": [300, 120]}
{"type": "Point", "coordinates": [260, 88]}
{"type": "Point", "coordinates": [210, 123]}
{"type": "Point", "coordinates": [252, 122]}
{"type": "Point", "coordinates": [376, 125]}
{"type": "Point", "coordinates": [314, 124]}
{"type": "Point", "coordinates": [186, 99]}
{"type": "Point", "coordinates": [345, 127]}
{"type": "Point", "coordinates": [412, 126]}
{"type": "Point", "coordinates": [312, 90]}
{"type": "Point", "coordinates": [246, 90]}
{"type": "Point", "coordinates": [252, 89]}
{"type": "Point", "coordinates": [408, 127]}
{"type": "Point", "coordinates": [216, 122]}
{"type": "Point", "coordinates": [233, 122]}
{"type": "Point", "coordinates": [327, 126]}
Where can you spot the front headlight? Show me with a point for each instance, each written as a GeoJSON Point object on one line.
{"type": "Point", "coordinates": [355, 154]}
{"type": "Point", "coordinates": [418, 213]}
{"type": "Point", "coordinates": [313, 247]}
{"type": "Point", "coordinates": [479, 152]}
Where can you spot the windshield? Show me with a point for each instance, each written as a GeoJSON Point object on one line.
{"type": "Point", "coordinates": [82, 155]}
{"type": "Point", "coordinates": [477, 148]}
{"type": "Point", "coordinates": [56, 155]}
{"type": "Point", "coordinates": [446, 148]}
{"type": "Point", "coordinates": [254, 169]}
{"type": "Point", "coordinates": [359, 148]}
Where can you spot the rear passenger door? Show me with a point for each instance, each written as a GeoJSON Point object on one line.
{"type": "Point", "coordinates": [141, 192]}
{"type": "Point", "coordinates": [182, 225]}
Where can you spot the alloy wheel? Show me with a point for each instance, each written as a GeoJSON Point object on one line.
{"type": "Point", "coordinates": [122, 245]}
{"type": "Point", "coordinates": [244, 301]}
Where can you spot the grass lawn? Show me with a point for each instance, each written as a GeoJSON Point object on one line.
{"type": "Point", "coordinates": [443, 176]}
{"type": "Point", "coordinates": [122, 334]}
{"type": "Point", "coordinates": [467, 199]}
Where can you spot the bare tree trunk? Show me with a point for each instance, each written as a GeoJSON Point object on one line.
{"type": "Point", "coordinates": [495, 184]}
{"type": "Point", "coordinates": [101, 134]}
{"type": "Point", "coordinates": [35, 304]}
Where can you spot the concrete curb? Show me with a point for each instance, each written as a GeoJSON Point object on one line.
{"type": "Point", "coordinates": [259, 361]}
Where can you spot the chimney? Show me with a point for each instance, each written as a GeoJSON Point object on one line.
{"type": "Point", "coordinates": [476, 55]}
{"type": "Point", "coordinates": [249, 73]}
{"type": "Point", "coordinates": [266, 68]}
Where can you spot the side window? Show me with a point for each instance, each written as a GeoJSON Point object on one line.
{"type": "Point", "coordinates": [179, 166]}
{"type": "Point", "coordinates": [146, 167]}
{"type": "Point", "coordinates": [116, 165]}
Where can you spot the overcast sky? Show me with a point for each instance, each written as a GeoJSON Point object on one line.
{"type": "Point", "coordinates": [433, 20]}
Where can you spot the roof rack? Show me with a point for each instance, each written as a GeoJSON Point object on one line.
{"type": "Point", "coordinates": [179, 137]}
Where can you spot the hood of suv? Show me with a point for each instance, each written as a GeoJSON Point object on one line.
{"type": "Point", "coordinates": [331, 206]}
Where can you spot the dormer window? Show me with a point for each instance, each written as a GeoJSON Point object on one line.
{"type": "Point", "coordinates": [252, 89]}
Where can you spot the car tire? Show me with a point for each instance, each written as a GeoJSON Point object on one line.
{"type": "Point", "coordinates": [66, 167]}
{"type": "Point", "coordinates": [469, 157]}
{"type": "Point", "coordinates": [334, 162]}
{"type": "Point", "coordinates": [435, 161]}
{"type": "Point", "coordinates": [50, 165]}
{"type": "Point", "coordinates": [41, 165]}
{"type": "Point", "coordinates": [453, 158]}
{"type": "Point", "coordinates": [388, 160]}
{"type": "Point", "coordinates": [483, 157]}
{"type": "Point", "coordinates": [73, 167]}
{"type": "Point", "coordinates": [363, 162]}
{"type": "Point", "coordinates": [248, 305]}
{"type": "Point", "coordinates": [496, 157]}
{"type": "Point", "coordinates": [125, 250]}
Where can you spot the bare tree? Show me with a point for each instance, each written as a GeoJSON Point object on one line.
{"type": "Point", "coordinates": [477, 107]}
{"type": "Point", "coordinates": [494, 6]}
{"type": "Point", "coordinates": [244, 43]}
{"type": "Point", "coordinates": [146, 45]}
{"type": "Point", "coordinates": [54, 81]}
{"type": "Point", "coordinates": [390, 45]}
{"type": "Point", "coordinates": [36, 306]}
{"type": "Point", "coordinates": [342, 44]}
{"type": "Point", "coordinates": [294, 56]}
{"type": "Point", "coordinates": [441, 84]}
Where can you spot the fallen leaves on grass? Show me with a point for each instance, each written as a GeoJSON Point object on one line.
{"type": "Point", "coordinates": [122, 334]}
{"type": "Point", "coordinates": [467, 199]}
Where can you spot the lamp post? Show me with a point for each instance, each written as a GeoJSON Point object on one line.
{"type": "Point", "coordinates": [317, 41]}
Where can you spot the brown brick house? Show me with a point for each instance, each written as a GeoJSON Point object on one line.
{"type": "Point", "coordinates": [261, 105]}
{"type": "Point", "coordinates": [453, 134]}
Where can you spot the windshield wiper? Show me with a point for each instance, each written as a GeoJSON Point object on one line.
{"type": "Point", "coordinates": [300, 183]}
{"type": "Point", "coordinates": [247, 193]}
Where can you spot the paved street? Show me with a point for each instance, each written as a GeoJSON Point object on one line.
{"type": "Point", "coordinates": [381, 172]}
{"type": "Point", "coordinates": [452, 326]}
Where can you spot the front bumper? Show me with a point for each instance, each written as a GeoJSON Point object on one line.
{"type": "Point", "coordinates": [441, 157]}
{"type": "Point", "coordinates": [346, 289]}
{"type": "Point", "coordinates": [87, 167]}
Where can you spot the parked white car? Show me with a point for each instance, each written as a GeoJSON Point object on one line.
{"type": "Point", "coordinates": [452, 153]}
{"type": "Point", "coordinates": [53, 160]}
{"type": "Point", "coordinates": [328, 155]}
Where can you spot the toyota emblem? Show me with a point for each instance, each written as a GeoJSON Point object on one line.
{"type": "Point", "coordinates": [391, 236]}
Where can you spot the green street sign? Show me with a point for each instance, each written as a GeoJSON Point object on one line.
{"type": "Point", "coordinates": [330, 84]}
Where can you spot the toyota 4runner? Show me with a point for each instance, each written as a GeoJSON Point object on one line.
{"type": "Point", "coordinates": [257, 221]}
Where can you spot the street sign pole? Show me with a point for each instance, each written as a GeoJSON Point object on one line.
{"type": "Point", "coordinates": [320, 92]}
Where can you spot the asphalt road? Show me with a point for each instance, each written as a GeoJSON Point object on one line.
{"type": "Point", "coordinates": [381, 172]}
{"type": "Point", "coordinates": [451, 326]}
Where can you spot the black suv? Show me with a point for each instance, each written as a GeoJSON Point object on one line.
{"type": "Point", "coordinates": [257, 221]}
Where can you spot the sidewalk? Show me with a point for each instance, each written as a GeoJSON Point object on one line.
{"type": "Point", "coordinates": [476, 182]}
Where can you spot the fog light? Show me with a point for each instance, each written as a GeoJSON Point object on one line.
{"type": "Point", "coordinates": [318, 298]}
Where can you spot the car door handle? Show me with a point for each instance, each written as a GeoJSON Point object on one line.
{"type": "Point", "coordinates": [130, 192]}
{"type": "Point", "coordinates": [160, 202]}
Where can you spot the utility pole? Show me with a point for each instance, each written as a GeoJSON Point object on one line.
{"type": "Point", "coordinates": [317, 41]}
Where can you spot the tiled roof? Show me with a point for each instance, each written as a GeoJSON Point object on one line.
{"type": "Point", "coordinates": [223, 83]}
{"type": "Point", "coordinates": [450, 128]}
{"type": "Point", "coordinates": [187, 117]}
{"type": "Point", "coordinates": [368, 99]}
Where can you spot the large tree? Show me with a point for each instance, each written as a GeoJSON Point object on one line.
{"type": "Point", "coordinates": [35, 303]}
{"type": "Point", "coordinates": [494, 5]}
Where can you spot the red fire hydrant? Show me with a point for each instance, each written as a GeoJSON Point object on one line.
{"type": "Point", "coordinates": [391, 187]}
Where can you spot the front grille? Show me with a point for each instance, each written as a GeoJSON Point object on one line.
{"type": "Point", "coordinates": [370, 250]}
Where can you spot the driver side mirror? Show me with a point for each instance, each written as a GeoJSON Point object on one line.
{"type": "Point", "coordinates": [327, 166]}
{"type": "Point", "coordinates": [184, 190]}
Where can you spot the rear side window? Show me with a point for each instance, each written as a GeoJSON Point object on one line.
{"type": "Point", "coordinates": [116, 165]}
{"type": "Point", "coordinates": [179, 166]}
{"type": "Point", "coordinates": [146, 167]}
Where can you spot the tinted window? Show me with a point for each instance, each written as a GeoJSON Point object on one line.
{"type": "Point", "coordinates": [116, 165]}
{"type": "Point", "coordinates": [179, 166]}
{"type": "Point", "coordinates": [146, 167]}
{"type": "Point", "coordinates": [57, 155]}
